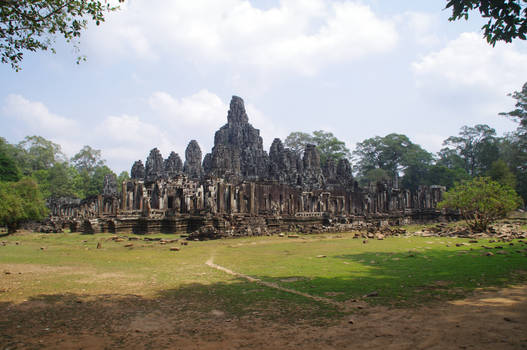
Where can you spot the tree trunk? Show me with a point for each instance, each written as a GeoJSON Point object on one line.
{"type": "Point", "coordinates": [11, 228]}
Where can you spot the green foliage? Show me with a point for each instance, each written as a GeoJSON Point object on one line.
{"type": "Point", "coordinates": [29, 25]}
{"type": "Point", "coordinates": [520, 113]}
{"type": "Point", "coordinates": [93, 182]}
{"type": "Point", "coordinates": [329, 146]}
{"type": "Point", "coordinates": [20, 201]}
{"type": "Point", "coordinates": [481, 201]}
{"type": "Point", "coordinates": [36, 153]}
{"type": "Point", "coordinates": [123, 176]}
{"type": "Point", "coordinates": [393, 153]}
{"type": "Point", "coordinates": [8, 169]}
{"type": "Point", "coordinates": [87, 159]}
{"type": "Point", "coordinates": [59, 181]}
{"type": "Point", "coordinates": [507, 19]}
{"type": "Point", "coordinates": [297, 141]}
{"type": "Point", "coordinates": [515, 144]}
{"type": "Point", "coordinates": [477, 147]}
{"type": "Point", "coordinates": [500, 172]}
{"type": "Point", "coordinates": [44, 161]}
{"type": "Point", "coordinates": [89, 171]}
{"type": "Point", "coordinates": [375, 175]}
{"type": "Point", "coordinates": [442, 175]}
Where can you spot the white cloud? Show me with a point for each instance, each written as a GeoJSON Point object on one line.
{"type": "Point", "coordinates": [430, 142]}
{"type": "Point", "coordinates": [34, 118]}
{"type": "Point", "coordinates": [421, 27]}
{"type": "Point", "coordinates": [36, 115]}
{"type": "Point", "coordinates": [469, 61]}
{"type": "Point", "coordinates": [203, 108]}
{"type": "Point", "coordinates": [296, 35]}
{"type": "Point", "coordinates": [471, 79]}
{"type": "Point", "coordinates": [128, 138]}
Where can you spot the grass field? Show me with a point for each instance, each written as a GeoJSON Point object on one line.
{"type": "Point", "coordinates": [402, 271]}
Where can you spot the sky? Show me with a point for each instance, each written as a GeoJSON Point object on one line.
{"type": "Point", "coordinates": [161, 73]}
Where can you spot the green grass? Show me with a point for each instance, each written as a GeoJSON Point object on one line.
{"type": "Point", "coordinates": [403, 270]}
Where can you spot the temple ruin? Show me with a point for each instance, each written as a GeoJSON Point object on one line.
{"type": "Point", "coordinates": [239, 189]}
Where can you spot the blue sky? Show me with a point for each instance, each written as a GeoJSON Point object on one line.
{"type": "Point", "coordinates": [160, 73]}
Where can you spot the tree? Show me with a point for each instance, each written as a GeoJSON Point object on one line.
{"type": "Point", "coordinates": [481, 201]}
{"type": "Point", "coordinates": [395, 154]}
{"type": "Point", "coordinates": [87, 159]}
{"type": "Point", "coordinates": [93, 183]}
{"type": "Point", "coordinates": [439, 174]}
{"type": "Point", "coordinates": [20, 201]}
{"type": "Point", "coordinates": [91, 170]}
{"type": "Point", "coordinates": [59, 181]}
{"type": "Point", "coordinates": [8, 169]}
{"type": "Point", "coordinates": [507, 19]}
{"type": "Point", "coordinates": [375, 175]}
{"type": "Point", "coordinates": [520, 113]}
{"type": "Point", "coordinates": [329, 146]}
{"type": "Point", "coordinates": [500, 172]}
{"type": "Point", "coordinates": [31, 25]}
{"type": "Point", "coordinates": [515, 144]}
{"type": "Point", "coordinates": [477, 146]}
{"type": "Point", "coordinates": [297, 141]}
{"type": "Point", "coordinates": [36, 153]}
{"type": "Point", "coordinates": [123, 176]}
{"type": "Point", "coordinates": [416, 162]}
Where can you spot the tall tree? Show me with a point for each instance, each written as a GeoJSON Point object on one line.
{"type": "Point", "coordinates": [94, 183]}
{"type": "Point", "coordinates": [32, 25]}
{"type": "Point", "coordinates": [8, 168]}
{"type": "Point", "coordinates": [520, 113]}
{"type": "Point", "coordinates": [329, 146]}
{"type": "Point", "coordinates": [477, 146]}
{"type": "Point", "coordinates": [91, 169]}
{"type": "Point", "coordinates": [439, 174]}
{"type": "Point", "coordinates": [297, 141]}
{"type": "Point", "coordinates": [515, 144]}
{"type": "Point", "coordinates": [20, 201]}
{"type": "Point", "coordinates": [87, 159]}
{"type": "Point", "coordinates": [416, 162]}
{"type": "Point", "coordinates": [500, 172]}
{"type": "Point", "coordinates": [36, 153]}
{"type": "Point", "coordinates": [395, 154]}
{"type": "Point", "coordinates": [507, 19]}
{"type": "Point", "coordinates": [123, 176]}
{"type": "Point", "coordinates": [59, 181]}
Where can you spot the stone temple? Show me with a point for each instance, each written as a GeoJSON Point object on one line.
{"type": "Point", "coordinates": [240, 189]}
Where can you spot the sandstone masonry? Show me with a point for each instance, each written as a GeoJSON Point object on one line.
{"type": "Point", "coordinates": [239, 189]}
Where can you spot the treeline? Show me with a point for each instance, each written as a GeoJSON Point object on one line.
{"type": "Point", "coordinates": [476, 151]}
{"type": "Point", "coordinates": [57, 176]}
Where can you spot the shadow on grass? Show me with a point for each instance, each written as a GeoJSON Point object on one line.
{"type": "Point", "coordinates": [193, 310]}
{"type": "Point", "coordinates": [414, 277]}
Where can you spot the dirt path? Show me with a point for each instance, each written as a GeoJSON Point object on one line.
{"type": "Point", "coordinates": [211, 263]}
